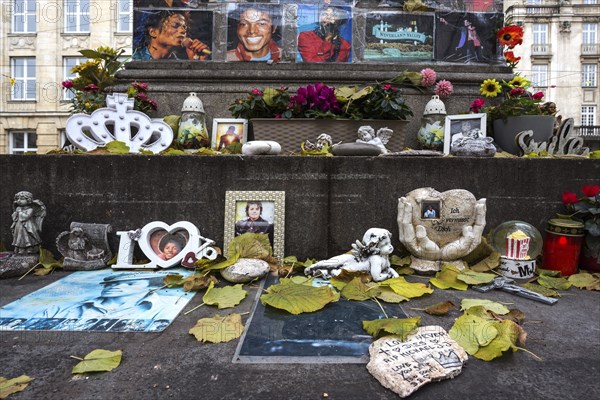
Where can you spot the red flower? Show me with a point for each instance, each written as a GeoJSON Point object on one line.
{"type": "Point", "coordinates": [537, 96]}
{"type": "Point", "coordinates": [256, 92]}
{"type": "Point", "coordinates": [569, 198]}
{"type": "Point", "coordinates": [510, 36]}
{"type": "Point", "coordinates": [476, 105]}
{"type": "Point", "coordinates": [68, 84]}
{"type": "Point", "coordinates": [510, 58]}
{"type": "Point", "coordinates": [591, 190]}
{"type": "Point", "coordinates": [388, 87]}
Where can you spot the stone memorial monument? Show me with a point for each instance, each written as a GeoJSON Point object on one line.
{"type": "Point", "coordinates": [439, 228]}
{"type": "Point", "coordinates": [427, 355]}
{"type": "Point", "coordinates": [85, 247]}
{"type": "Point", "coordinates": [27, 218]}
{"type": "Point", "coordinates": [371, 255]}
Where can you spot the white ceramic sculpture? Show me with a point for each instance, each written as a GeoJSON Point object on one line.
{"type": "Point", "coordinates": [119, 121]}
{"type": "Point", "coordinates": [370, 255]}
{"type": "Point", "coordinates": [366, 134]}
{"type": "Point", "coordinates": [260, 147]}
{"type": "Point", "coordinates": [439, 227]}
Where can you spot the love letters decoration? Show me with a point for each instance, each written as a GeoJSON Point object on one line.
{"type": "Point", "coordinates": [164, 245]}
{"type": "Point", "coordinates": [119, 121]}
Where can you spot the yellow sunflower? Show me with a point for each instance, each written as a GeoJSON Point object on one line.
{"type": "Point", "coordinates": [490, 88]}
{"type": "Point", "coordinates": [519, 82]}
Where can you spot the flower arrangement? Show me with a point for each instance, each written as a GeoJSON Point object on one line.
{"type": "Point", "coordinates": [585, 209]}
{"type": "Point", "coordinates": [514, 97]}
{"type": "Point", "coordinates": [381, 100]}
{"type": "Point", "coordinates": [97, 74]}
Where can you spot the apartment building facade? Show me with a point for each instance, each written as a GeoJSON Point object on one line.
{"type": "Point", "coordinates": [561, 55]}
{"type": "Point", "coordinates": [40, 42]}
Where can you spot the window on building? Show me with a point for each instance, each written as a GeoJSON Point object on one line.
{"type": "Point", "coordinates": [22, 142]}
{"type": "Point", "coordinates": [534, 2]}
{"type": "Point", "coordinates": [588, 75]}
{"type": "Point", "coordinates": [539, 75]}
{"type": "Point", "coordinates": [23, 70]}
{"type": "Point", "coordinates": [588, 115]}
{"type": "Point", "coordinates": [124, 15]}
{"type": "Point", "coordinates": [540, 33]}
{"type": "Point", "coordinates": [68, 64]}
{"type": "Point", "coordinates": [77, 16]}
{"type": "Point", "coordinates": [589, 1]}
{"type": "Point", "coordinates": [589, 33]}
{"type": "Point", "coordinates": [24, 16]}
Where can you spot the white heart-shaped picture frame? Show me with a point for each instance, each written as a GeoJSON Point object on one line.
{"type": "Point", "coordinates": [155, 235]}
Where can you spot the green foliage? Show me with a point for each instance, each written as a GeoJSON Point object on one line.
{"type": "Point", "coordinates": [447, 278]}
{"type": "Point", "coordinates": [586, 280]}
{"type": "Point", "coordinates": [13, 385]}
{"type": "Point", "coordinates": [471, 332]}
{"type": "Point", "coordinates": [298, 298]}
{"type": "Point", "coordinates": [401, 327]}
{"type": "Point", "coordinates": [225, 297]}
{"type": "Point", "coordinates": [406, 289]}
{"type": "Point", "coordinates": [98, 360]}
{"type": "Point", "coordinates": [554, 283]}
{"type": "Point", "coordinates": [389, 296]}
{"type": "Point", "coordinates": [251, 245]}
{"type": "Point", "coordinates": [346, 276]}
{"type": "Point", "coordinates": [195, 282]}
{"type": "Point", "coordinates": [47, 263]}
{"type": "Point", "coordinates": [508, 335]}
{"type": "Point", "coordinates": [218, 329]}
{"type": "Point", "coordinates": [541, 289]}
{"type": "Point", "coordinates": [356, 289]}
{"type": "Point", "coordinates": [498, 308]}
{"type": "Point", "coordinates": [474, 278]}
{"type": "Point", "coordinates": [383, 101]}
{"type": "Point", "coordinates": [117, 147]}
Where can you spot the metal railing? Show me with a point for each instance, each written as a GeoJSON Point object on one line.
{"type": "Point", "coordinates": [588, 131]}
{"type": "Point", "coordinates": [541, 49]}
{"type": "Point", "coordinates": [590, 49]}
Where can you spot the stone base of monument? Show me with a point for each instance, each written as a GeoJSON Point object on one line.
{"type": "Point", "coordinates": [427, 355]}
{"type": "Point", "coordinates": [71, 264]}
{"type": "Point", "coordinates": [14, 265]}
{"type": "Point", "coordinates": [430, 267]}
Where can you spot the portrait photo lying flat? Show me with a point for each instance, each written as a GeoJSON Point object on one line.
{"type": "Point", "coordinates": [100, 301]}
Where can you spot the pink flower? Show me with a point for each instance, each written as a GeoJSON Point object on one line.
{"type": "Point", "coordinates": [141, 86]}
{"type": "Point", "coordinates": [590, 191]}
{"type": "Point", "coordinates": [277, 116]}
{"type": "Point", "coordinates": [537, 96]}
{"type": "Point", "coordinates": [91, 88]}
{"type": "Point", "coordinates": [68, 84]}
{"type": "Point", "coordinates": [388, 87]}
{"type": "Point", "coordinates": [256, 92]}
{"type": "Point", "coordinates": [518, 91]}
{"type": "Point", "coordinates": [569, 198]}
{"type": "Point", "coordinates": [443, 88]}
{"type": "Point", "coordinates": [428, 77]}
{"type": "Point", "coordinates": [476, 105]}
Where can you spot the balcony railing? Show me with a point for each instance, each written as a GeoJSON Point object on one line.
{"type": "Point", "coordinates": [588, 131]}
{"type": "Point", "coordinates": [541, 50]}
{"type": "Point", "coordinates": [533, 9]}
{"type": "Point", "coordinates": [590, 49]}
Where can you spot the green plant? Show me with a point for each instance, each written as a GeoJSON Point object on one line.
{"type": "Point", "coordinates": [381, 100]}
{"type": "Point", "coordinates": [96, 75]}
{"type": "Point", "coordinates": [585, 209]}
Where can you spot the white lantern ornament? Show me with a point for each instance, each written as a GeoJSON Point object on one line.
{"type": "Point", "coordinates": [192, 125]}
{"type": "Point", "coordinates": [431, 132]}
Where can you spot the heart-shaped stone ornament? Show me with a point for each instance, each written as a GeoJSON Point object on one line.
{"type": "Point", "coordinates": [443, 215]}
{"type": "Point", "coordinates": [158, 241]}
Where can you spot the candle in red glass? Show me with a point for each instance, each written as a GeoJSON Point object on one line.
{"type": "Point", "coordinates": [562, 246]}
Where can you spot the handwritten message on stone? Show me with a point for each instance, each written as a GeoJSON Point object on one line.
{"type": "Point", "coordinates": [427, 355]}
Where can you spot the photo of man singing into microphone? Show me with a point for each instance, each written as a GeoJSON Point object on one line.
{"type": "Point", "coordinates": [172, 35]}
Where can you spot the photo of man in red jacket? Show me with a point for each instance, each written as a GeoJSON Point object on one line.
{"type": "Point", "coordinates": [325, 42]}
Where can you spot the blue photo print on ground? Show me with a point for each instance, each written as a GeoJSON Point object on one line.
{"type": "Point", "coordinates": [104, 301]}
{"type": "Point", "coordinates": [396, 36]}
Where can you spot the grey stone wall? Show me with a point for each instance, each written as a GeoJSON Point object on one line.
{"type": "Point", "coordinates": [218, 84]}
{"type": "Point", "coordinates": [330, 201]}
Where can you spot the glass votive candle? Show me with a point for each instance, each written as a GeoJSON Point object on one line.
{"type": "Point", "coordinates": [562, 246]}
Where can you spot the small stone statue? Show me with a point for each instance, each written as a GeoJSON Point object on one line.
{"type": "Point", "coordinates": [473, 146]}
{"type": "Point", "coordinates": [85, 247]}
{"type": "Point", "coordinates": [370, 255]}
{"type": "Point", "coordinates": [366, 134]}
{"type": "Point", "coordinates": [322, 140]}
{"type": "Point", "coordinates": [28, 215]}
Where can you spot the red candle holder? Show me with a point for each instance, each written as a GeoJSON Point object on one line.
{"type": "Point", "coordinates": [562, 246]}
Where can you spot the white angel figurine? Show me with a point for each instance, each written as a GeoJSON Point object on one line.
{"type": "Point", "coordinates": [366, 134]}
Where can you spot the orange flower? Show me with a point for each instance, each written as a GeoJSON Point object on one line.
{"type": "Point", "coordinates": [511, 59]}
{"type": "Point", "coordinates": [510, 35]}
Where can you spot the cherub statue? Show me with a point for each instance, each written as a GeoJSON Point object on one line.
{"type": "Point", "coordinates": [370, 255]}
{"type": "Point", "coordinates": [366, 134]}
{"type": "Point", "coordinates": [28, 215]}
{"type": "Point", "coordinates": [322, 140]}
